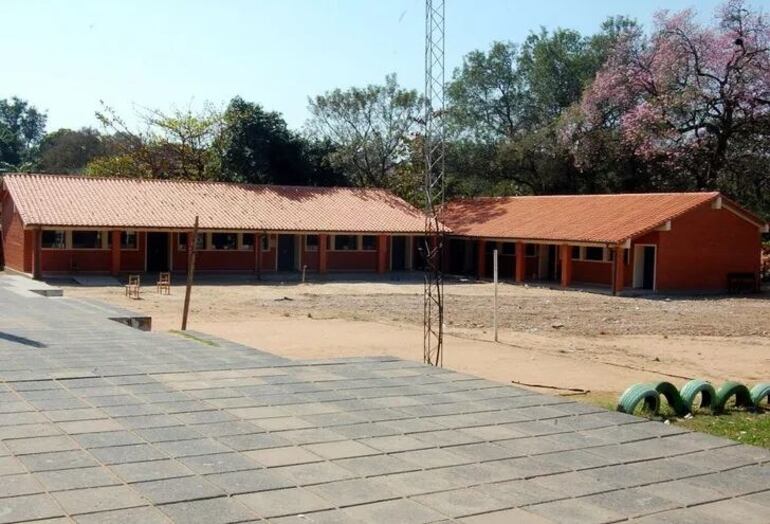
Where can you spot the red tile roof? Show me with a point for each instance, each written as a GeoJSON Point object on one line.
{"type": "Point", "coordinates": [576, 218]}
{"type": "Point", "coordinates": [74, 201]}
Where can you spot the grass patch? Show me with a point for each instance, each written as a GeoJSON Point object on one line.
{"type": "Point", "coordinates": [742, 426]}
{"type": "Point", "coordinates": [193, 337]}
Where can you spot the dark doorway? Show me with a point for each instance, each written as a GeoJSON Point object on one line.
{"type": "Point", "coordinates": [457, 256]}
{"type": "Point", "coordinates": [648, 269]}
{"type": "Point", "coordinates": [286, 253]}
{"type": "Point", "coordinates": [157, 252]}
{"type": "Point", "coordinates": [398, 253]}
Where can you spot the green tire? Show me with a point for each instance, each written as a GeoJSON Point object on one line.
{"type": "Point", "coordinates": [707, 394]}
{"type": "Point", "coordinates": [760, 392]}
{"type": "Point", "coordinates": [732, 389]}
{"type": "Point", "coordinates": [636, 394]}
{"type": "Point", "coordinates": [669, 391]}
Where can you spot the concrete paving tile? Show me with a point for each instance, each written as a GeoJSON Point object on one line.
{"type": "Point", "coordinates": [283, 502]}
{"type": "Point", "coordinates": [515, 493]}
{"type": "Point", "coordinates": [634, 502]}
{"type": "Point", "coordinates": [30, 507]}
{"type": "Point", "coordinates": [143, 515]}
{"type": "Point", "coordinates": [222, 429]}
{"type": "Point", "coordinates": [177, 490]}
{"type": "Point", "coordinates": [90, 500]}
{"type": "Point", "coordinates": [237, 482]}
{"type": "Point", "coordinates": [508, 516]}
{"type": "Point", "coordinates": [28, 431]}
{"type": "Point", "coordinates": [65, 415]}
{"type": "Point", "coordinates": [188, 448]}
{"type": "Point", "coordinates": [90, 426]}
{"type": "Point", "coordinates": [153, 470]}
{"type": "Point", "coordinates": [394, 443]}
{"type": "Point", "coordinates": [22, 484]}
{"type": "Point", "coordinates": [167, 434]}
{"type": "Point", "coordinates": [219, 463]}
{"type": "Point", "coordinates": [126, 454]}
{"type": "Point", "coordinates": [210, 511]}
{"type": "Point", "coordinates": [341, 449]}
{"type": "Point", "coordinates": [394, 512]}
{"type": "Point", "coordinates": [249, 413]}
{"type": "Point", "coordinates": [432, 458]}
{"type": "Point", "coordinates": [376, 465]}
{"type": "Point", "coordinates": [58, 460]}
{"type": "Point", "coordinates": [314, 473]}
{"type": "Point", "coordinates": [461, 502]}
{"type": "Point", "coordinates": [285, 456]}
{"type": "Point", "coordinates": [107, 439]}
{"type": "Point", "coordinates": [78, 478]}
{"type": "Point", "coordinates": [574, 510]}
{"type": "Point", "coordinates": [11, 466]}
{"type": "Point", "coordinates": [352, 492]}
{"type": "Point", "coordinates": [252, 442]}
{"type": "Point", "coordinates": [334, 516]}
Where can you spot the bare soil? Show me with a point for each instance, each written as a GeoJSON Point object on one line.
{"type": "Point", "coordinates": [551, 337]}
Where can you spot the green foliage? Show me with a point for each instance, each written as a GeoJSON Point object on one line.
{"type": "Point", "coordinates": [21, 128]}
{"type": "Point", "coordinates": [69, 151]}
{"type": "Point", "coordinates": [256, 146]}
{"type": "Point", "coordinates": [370, 129]}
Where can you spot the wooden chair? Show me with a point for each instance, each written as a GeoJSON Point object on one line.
{"type": "Point", "coordinates": [132, 288]}
{"type": "Point", "coordinates": [164, 283]}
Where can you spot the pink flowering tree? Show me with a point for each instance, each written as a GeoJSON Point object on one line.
{"type": "Point", "coordinates": [688, 102]}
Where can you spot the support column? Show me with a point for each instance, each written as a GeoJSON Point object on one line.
{"type": "Point", "coordinates": [322, 240]}
{"type": "Point", "coordinates": [37, 270]}
{"type": "Point", "coordinates": [521, 263]}
{"type": "Point", "coordinates": [618, 277]}
{"type": "Point", "coordinates": [382, 253]}
{"type": "Point", "coordinates": [257, 252]}
{"type": "Point", "coordinates": [481, 259]}
{"type": "Point", "coordinates": [115, 267]}
{"type": "Point", "coordinates": [566, 265]}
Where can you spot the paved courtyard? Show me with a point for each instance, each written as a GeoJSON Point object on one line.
{"type": "Point", "coordinates": [101, 423]}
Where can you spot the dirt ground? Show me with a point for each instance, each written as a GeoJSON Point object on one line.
{"type": "Point", "coordinates": [567, 339]}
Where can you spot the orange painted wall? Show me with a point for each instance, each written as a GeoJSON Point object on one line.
{"type": "Point", "coordinates": [17, 254]}
{"type": "Point", "coordinates": [702, 247]}
{"type": "Point", "coordinates": [591, 272]}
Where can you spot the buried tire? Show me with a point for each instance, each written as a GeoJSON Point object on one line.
{"type": "Point", "coordinates": [693, 388]}
{"type": "Point", "coordinates": [638, 394]}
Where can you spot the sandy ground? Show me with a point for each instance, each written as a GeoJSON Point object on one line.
{"type": "Point", "coordinates": [560, 338]}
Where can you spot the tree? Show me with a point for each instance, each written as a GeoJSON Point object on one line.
{"type": "Point", "coordinates": [688, 101]}
{"type": "Point", "coordinates": [173, 145]}
{"type": "Point", "coordinates": [506, 105]}
{"type": "Point", "coordinates": [370, 129]}
{"type": "Point", "coordinates": [21, 128]}
{"type": "Point", "coordinates": [69, 151]}
{"type": "Point", "coordinates": [257, 146]}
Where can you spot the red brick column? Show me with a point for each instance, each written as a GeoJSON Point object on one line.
{"type": "Point", "coordinates": [481, 259]}
{"type": "Point", "coordinates": [566, 265]}
{"type": "Point", "coordinates": [382, 253]}
{"type": "Point", "coordinates": [521, 263]}
{"type": "Point", "coordinates": [322, 240]}
{"type": "Point", "coordinates": [37, 245]}
{"type": "Point", "coordinates": [617, 285]}
{"type": "Point", "coordinates": [115, 266]}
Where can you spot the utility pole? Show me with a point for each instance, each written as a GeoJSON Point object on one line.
{"type": "Point", "coordinates": [192, 241]}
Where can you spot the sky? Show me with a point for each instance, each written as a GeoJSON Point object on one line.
{"type": "Point", "coordinates": [66, 56]}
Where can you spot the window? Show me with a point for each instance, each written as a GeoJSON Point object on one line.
{"type": "Point", "coordinates": [200, 242]}
{"type": "Point", "coordinates": [53, 239]}
{"type": "Point", "coordinates": [86, 240]}
{"type": "Point", "coordinates": [369, 243]}
{"type": "Point", "coordinates": [311, 242]}
{"type": "Point", "coordinates": [575, 252]}
{"type": "Point", "coordinates": [345, 242]}
{"type": "Point", "coordinates": [127, 240]}
{"type": "Point", "coordinates": [508, 248]}
{"type": "Point", "coordinates": [265, 240]}
{"type": "Point", "coordinates": [595, 253]}
{"type": "Point", "coordinates": [247, 241]}
{"type": "Point", "coordinates": [530, 250]}
{"type": "Point", "coordinates": [224, 241]}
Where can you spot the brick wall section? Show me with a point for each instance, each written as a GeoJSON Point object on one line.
{"type": "Point", "coordinates": [14, 248]}
{"type": "Point", "coordinates": [703, 246]}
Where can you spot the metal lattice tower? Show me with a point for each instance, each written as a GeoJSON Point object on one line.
{"type": "Point", "coordinates": [433, 314]}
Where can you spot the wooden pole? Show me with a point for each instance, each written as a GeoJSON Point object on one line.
{"type": "Point", "coordinates": [494, 272]}
{"type": "Point", "coordinates": [192, 241]}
